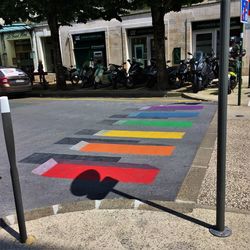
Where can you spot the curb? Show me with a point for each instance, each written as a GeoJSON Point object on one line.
{"type": "Point", "coordinates": [104, 93]}
{"type": "Point", "coordinates": [198, 98]}
{"type": "Point", "coordinates": [167, 206]}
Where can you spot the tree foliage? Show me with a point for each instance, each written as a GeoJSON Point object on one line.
{"type": "Point", "coordinates": [62, 12]}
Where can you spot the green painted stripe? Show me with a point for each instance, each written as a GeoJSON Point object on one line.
{"type": "Point", "coordinates": [155, 123]}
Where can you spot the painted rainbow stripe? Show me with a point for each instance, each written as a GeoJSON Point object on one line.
{"type": "Point", "coordinates": [155, 123]}
{"type": "Point", "coordinates": [163, 114]}
{"type": "Point", "coordinates": [122, 172]}
{"type": "Point", "coordinates": [141, 134]}
{"type": "Point", "coordinates": [124, 149]}
{"type": "Point", "coordinates": [172, 107]}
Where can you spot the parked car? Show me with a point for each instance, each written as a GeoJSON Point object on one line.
{"type": "Point", "coordinates": [14, 80]}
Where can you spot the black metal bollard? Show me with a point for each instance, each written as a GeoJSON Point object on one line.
{"type": "Point", "coordinates": [10, 145]}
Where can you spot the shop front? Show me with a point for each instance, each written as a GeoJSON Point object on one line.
{"type": "Point", "coordinates": [16, 46]}
{"type": "Point", "coordinates": [89, 47]}
{"type": "Point", "coordinates": [141, 44]}
{"type": "Point", "coordinates": [206, 35]}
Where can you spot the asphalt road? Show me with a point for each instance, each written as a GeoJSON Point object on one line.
{"type": "Point", "coordinates": [110, 163]}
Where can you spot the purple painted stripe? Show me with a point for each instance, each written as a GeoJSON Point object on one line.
{"type": "Point", "coordinates": [172, 107]}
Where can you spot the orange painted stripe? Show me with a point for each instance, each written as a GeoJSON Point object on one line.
{"type": "Point", "coordinates": [128, 149]}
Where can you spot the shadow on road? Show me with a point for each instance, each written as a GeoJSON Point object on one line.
{"type": "Point", "coordinates": [88, 183]}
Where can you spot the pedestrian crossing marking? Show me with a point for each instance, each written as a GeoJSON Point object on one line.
{"type": "Point", "coordinates": [141, 134]}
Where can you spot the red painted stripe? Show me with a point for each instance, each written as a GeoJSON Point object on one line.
{"type": "Point", "coordinates": [127, 175]}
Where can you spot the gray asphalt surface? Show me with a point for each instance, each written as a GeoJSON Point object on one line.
{"type": "Point", "coordinates": [40, 123]}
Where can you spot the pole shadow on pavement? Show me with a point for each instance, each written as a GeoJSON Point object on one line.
{"type": "Point", "coordinates": [89, 184]}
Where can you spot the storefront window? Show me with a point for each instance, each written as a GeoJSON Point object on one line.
{"type": "Point", "coordinates": [204, 42]}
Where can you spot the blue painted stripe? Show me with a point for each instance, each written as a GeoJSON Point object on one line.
{"type": "Point", "coordinates": [163, 114]}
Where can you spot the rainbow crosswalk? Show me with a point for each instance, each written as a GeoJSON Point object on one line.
{"type": "Point", "coordinates": [163, 117]}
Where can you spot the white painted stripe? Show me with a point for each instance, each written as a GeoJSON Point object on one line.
{"type": "Point", "coordinates": [5, 107]}
{"type": "Point", "coordinates": [44, 167]}
{"type": "Point", "coordinates": [98, 204]}
{"type": "Point", "coordinates": [249, 104]}
{"type": "Point", "coordinates": [137, 204]}
{"type": "Point", "coordinates": [55, 208]}
{"type": "Point", "coordinates": [79, 145]}
{"type": "Point", "coordinates": [11, 219]}
{"type": "Point", "coordinates": [101, 132]}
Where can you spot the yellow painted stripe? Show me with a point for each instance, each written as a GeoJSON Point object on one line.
{"type": "Point", "coordinates": [141, 134]}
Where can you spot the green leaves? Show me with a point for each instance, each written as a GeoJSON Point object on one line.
{"type": "Point", "coordinates": [65, 10]}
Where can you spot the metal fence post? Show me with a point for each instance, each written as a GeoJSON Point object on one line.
{"type": "Point", "coordinates": [10, 145]}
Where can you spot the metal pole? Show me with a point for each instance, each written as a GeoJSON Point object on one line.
{"type": "Point", "coordinates": [220, 230]}
{"type": "Point", "coordinates": [10, 145]}
{"type": "Point", "coordinates": [249, 75]}
{"type": "Point", "coordinates": [239, 73]}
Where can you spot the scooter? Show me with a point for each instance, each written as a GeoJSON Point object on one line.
{"type": "Point", "coordinates": [196, 66]}
{"type": "Point", "coordinates": [183, 73]}
{"type": "Point", "coordinates": [86, 76]}
{"type": "Point", "coordinates": [172, 72]}
{"type": "Point", "coordinates": [71, 74]}
{"type": "Point", "coordinates": [135, 74]}
{"type": "Point", "coordinates": [102, 77]}
{"type": "Point", "coordinates": [118, 75]}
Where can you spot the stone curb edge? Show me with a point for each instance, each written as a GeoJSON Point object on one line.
{"type": "Point", "coordinates": [121, 94]}
{"type": "Point", "coordinates": [198, 98]}
{"type": "Point", "coordinates": [167, 206]}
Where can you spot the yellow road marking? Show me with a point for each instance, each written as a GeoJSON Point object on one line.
{"type": "Point", "coordinates": [141, 134]}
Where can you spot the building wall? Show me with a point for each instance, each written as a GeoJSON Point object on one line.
{"type": "Point", "coordinates": [178, 30]}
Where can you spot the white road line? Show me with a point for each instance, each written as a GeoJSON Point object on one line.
{"type": "Point", "coordinates": [249, 104]}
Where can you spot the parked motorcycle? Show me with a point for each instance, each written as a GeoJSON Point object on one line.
{"type": "Point", "coordinates": [196, 67]}
{"type": "Point", "coordinates": [86, 76]}
{"type": "Point", "coordinates": [172, 72]}
{"type": "Point", "coordinates": [102, 76]}
{"type": "Point", "coordinates": [150, 73]}
{"type": "Point", "coordinates": [118, 75]}
{"type": "Point", "coordinates": [71, 74]}
{"type": "Point", "coordinates": [183, 73]}
{"type": "Point", "coordinates": [135, 74]}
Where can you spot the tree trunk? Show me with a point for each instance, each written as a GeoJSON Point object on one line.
{"type": "Point", "coordinates": [54, 29]}
{"type": "Point", "coordinates": [158, 13]}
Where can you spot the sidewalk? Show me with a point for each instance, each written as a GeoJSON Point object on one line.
{"type": "Point", "coordinates": [209, 94]}
{"type": "Point", "coordinates": [179, 225]}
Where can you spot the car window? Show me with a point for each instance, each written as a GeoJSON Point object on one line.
{"type": "Point", "coordinates": [12, 72]}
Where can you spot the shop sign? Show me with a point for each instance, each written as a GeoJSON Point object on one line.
{"type": "Point", "coordinates": [17, 35]}
{"type": "Point", "coordinates": [140, 31]}
{"type": "Point", "coordinates": [244, 11]}
{"type": "Point", "coordinates": [212, 24]}
{"type": "Point", "coordinates": [89, 36]}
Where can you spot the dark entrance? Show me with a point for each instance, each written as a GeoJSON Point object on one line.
{"type": "Point", "coordinates": [89, 47]}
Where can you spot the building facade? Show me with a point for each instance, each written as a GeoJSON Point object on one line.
{"type": "Point", "coordinates": [194, 28]}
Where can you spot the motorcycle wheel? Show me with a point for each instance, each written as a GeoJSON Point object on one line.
{"type": "Point", "coordinates": [129, 84]}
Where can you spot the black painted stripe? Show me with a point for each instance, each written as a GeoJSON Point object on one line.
{"type": "Point", "coordinates": [40, 158]}
{"type": "Point", "coordinates": [73, 141]}
{"type": "Point", "coordinates": [87, 132]}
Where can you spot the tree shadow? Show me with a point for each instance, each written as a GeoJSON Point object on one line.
{"type": "Point", "coordinates": [88, 183]}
